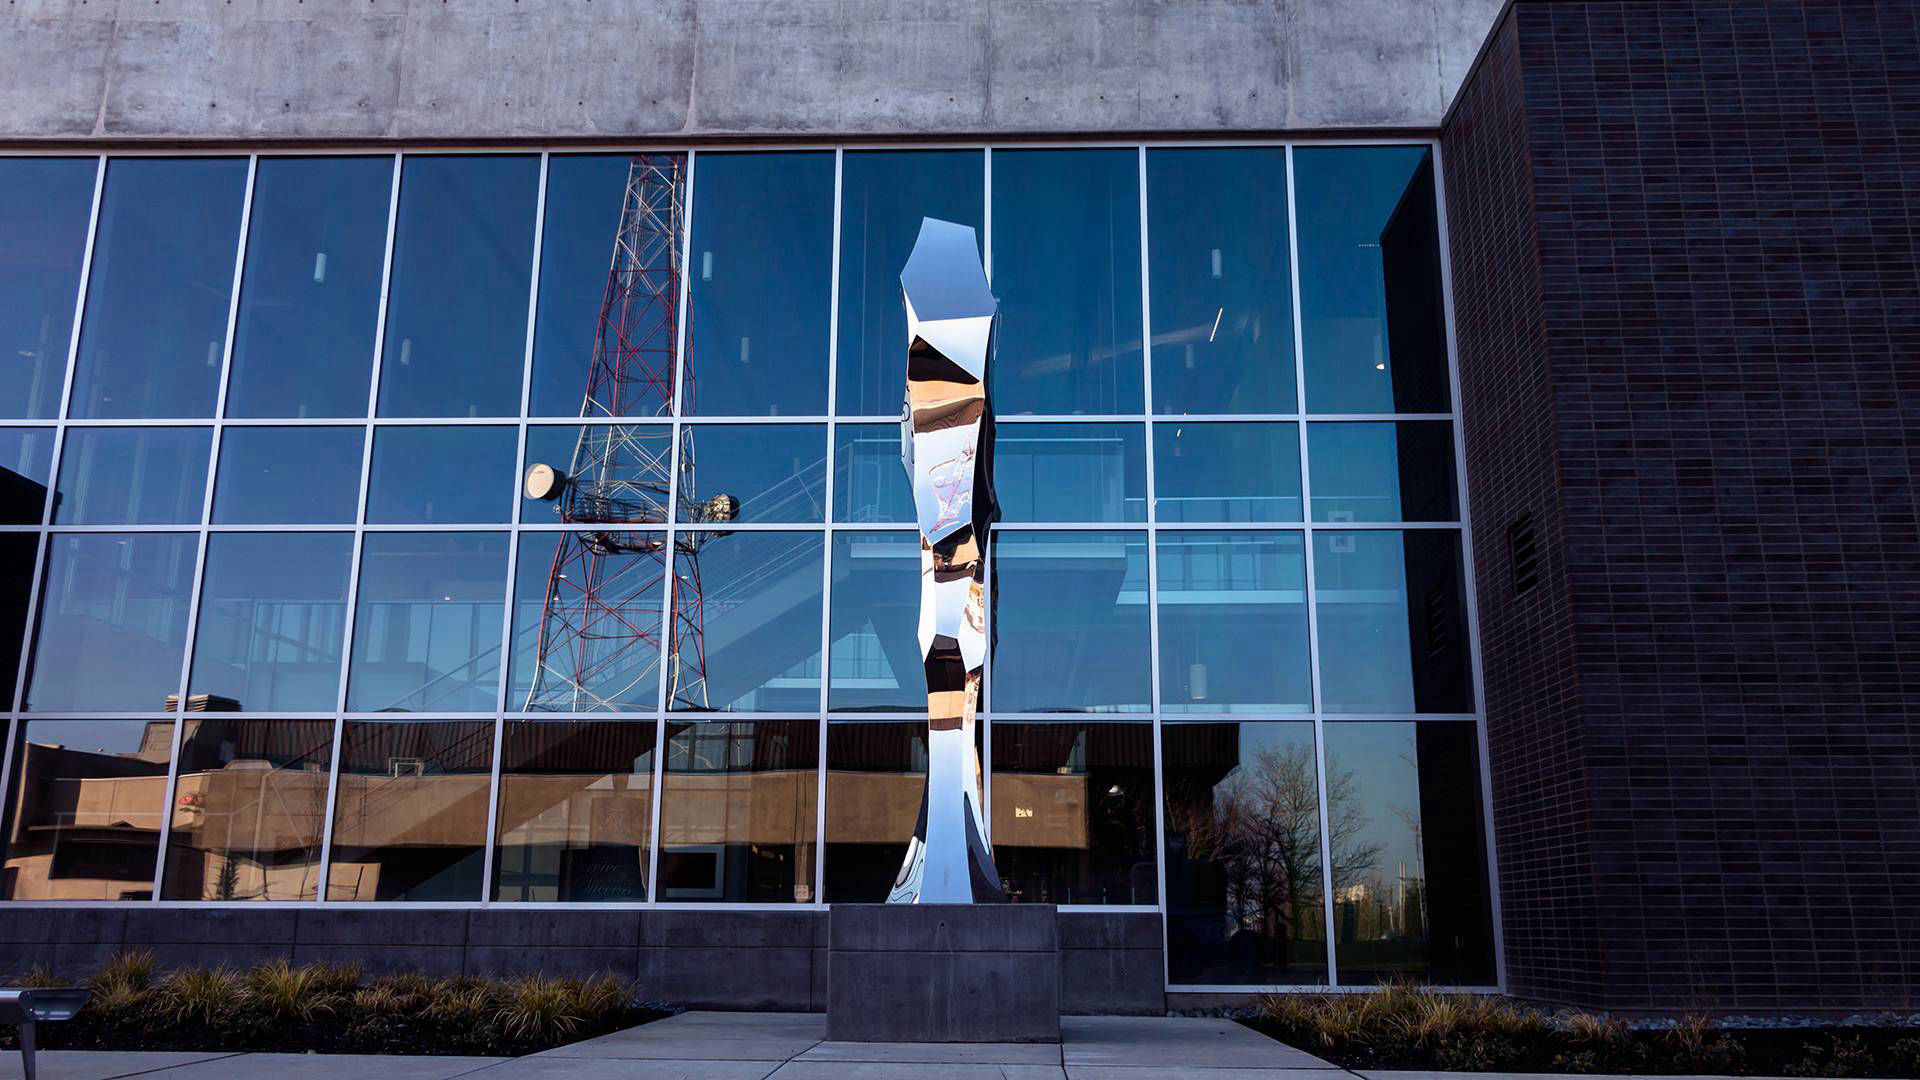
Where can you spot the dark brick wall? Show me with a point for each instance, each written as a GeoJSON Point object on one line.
{"type": "Point", "coordinates": [1684, 242]}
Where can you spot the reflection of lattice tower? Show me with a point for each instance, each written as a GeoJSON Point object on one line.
{"type": "Point", "coordinates": [600, 629]}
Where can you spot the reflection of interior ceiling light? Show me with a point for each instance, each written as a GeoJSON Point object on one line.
{"type": "Point", "coordinates": [1381, 366]}
{"type": "Point", "coordinates": [1114, 790]}
{"type": "Point", "coordinates": [1216, 264]}
{"type": "Point", "coordinates": [1216, 323]}
{"type": "Point", "coordinates": [706, 266]}
{"type": "Point", "coordinates": [406, 351]}
{"type": "Point", "coordinates": [448, 599]}
{"type": "Point", "coordinates": [319, 268]}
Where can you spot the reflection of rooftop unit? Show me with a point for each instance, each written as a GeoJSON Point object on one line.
{"type": "Point", "coordinates": [406, 766]}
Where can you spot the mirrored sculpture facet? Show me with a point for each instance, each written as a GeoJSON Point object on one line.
{"type": "Point", "coordinates": [946, 430]}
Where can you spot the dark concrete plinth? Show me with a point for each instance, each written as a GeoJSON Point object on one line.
{"type": "Point", "coordinates": [943, 973]}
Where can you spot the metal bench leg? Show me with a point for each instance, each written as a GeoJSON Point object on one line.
{"type": "Point", "coordinates": [26, 1048]}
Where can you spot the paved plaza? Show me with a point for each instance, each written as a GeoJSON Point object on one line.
{"type": "Point", "coordinates": [779, 1046]}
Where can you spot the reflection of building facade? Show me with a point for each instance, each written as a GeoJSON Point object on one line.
{"type": "Point", "coordinates": [299, 642]}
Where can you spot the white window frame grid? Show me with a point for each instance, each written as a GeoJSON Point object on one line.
{"type": "Point", "coordinates": [515, 529]}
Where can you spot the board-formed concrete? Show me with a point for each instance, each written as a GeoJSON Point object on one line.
{"type": "Point", "coordinates": [568, 69]}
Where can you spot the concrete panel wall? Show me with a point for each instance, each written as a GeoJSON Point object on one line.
{"type": "Point", "coordinates": [727, 959]}
{"type": "Point", "coordinates": [502, 69]}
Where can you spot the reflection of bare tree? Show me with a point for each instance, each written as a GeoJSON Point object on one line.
{"type": "Point", "coordinates": [1261, 828]}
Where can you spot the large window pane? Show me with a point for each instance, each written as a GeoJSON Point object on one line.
{"type": "Point", "coordinates": [119, 596]}
{"type": "Point", "coordinates": [883, 197]}
{"type": "Point", "coordinates": [621, 472]}
{"type": "Point", "coordinates": [426, 632]}
{"type": "Point", "coordinates": [1244, 901]}
{"type": "Point", "coordinates": [462, 261]}
{"type": "Point", "coordinates": [1233, 622]}
{"type": "Point", "coordinates": [410, 818]}
{"type": "Point", "coordinates": [762, 278]}
{"type": "Point", "coordinates": [1383, 472]}
{"type": "Point", "coordinates": [738, 811]}
{"type": "Point", "coordinates": [83, 815]}
{"type": "Point", "coordinates": [1066, 267]}
{"type": "Point", "coordinates": [248, 810]}
{"type": "Point", "coordinates": [869, 482]}
{"type": "Point", "coordinates": [576, 811]}
{"type": "Point", "coordinates": [1392, 617]}
{"type": "Point", "coordinates": [874, 660]}
{"type": "Point", "coordinates": [586, 623]}
{"type": "Point", "coordinates": [25, 457]}
{"type": "Point", "coordinates": [1073, 812]}
{"type": "Point", "coordinates": [1070, 622]}
{"type": "Point", "coordinates": [774, 472]}
{"type": "Point", "coordinates": [1070, 472]}
{"type": "Point", "coordinates": [1208, 472]}
{"type": "Point", "coordinates": [17, 552]}
{"type": "Point", "coordinates": [44, 204]}
{"type": "Point", "coordinates": [132, 476]}
{"type": "Point", "coordinates": [273, 615]}
{"type": "Point", "coordinates": [1222, 293]}
{"type": "Point", "coordinates": [876, 775]}
{"type": "Point", "coordinates": [1371, 319]}
{"type": "Point", "coordinates": [1410, 893]}
{"type": "Point", "coordinates": [310, 293]}
{"type": "Point", "coordinates": [160, 286]}
{"type": "Point", "coordinates": [291, 475]}
{"type": "Point", "coordinates": [442, 474]}
{"type": "Point", "coordinates": [585, 194]}
{"type": "Point", "coordinates": [747, 630]}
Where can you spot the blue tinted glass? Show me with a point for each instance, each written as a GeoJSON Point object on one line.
{"type": "Point", "coordinates": [1066, 267]}
{"type": "Point", "coordinates": [776, 472]}
{"type": "Point", "coordinates": [159, 288]}
{"type": "Point", "coordinates": [310, 294]}
{"type": "Point", "coordinates": [883, 197]}
{"type": "Point", "coordinates": [1222, 293]}
{"type": "Point", "coordinates": [762, 272]}
{"type": "Point", "coordinates": [273, 616]}
{"type": "Point", "coordinates": [1213, 472]}
{"type": "Point", "coordinates": [1070, 472]}
{"type": "Point", "coordinates": [426, 631]}
{"type": "Point", "coordinates": [1383, 472]}
{"type": "Point", "coordinates": [1070, 622]}
{"type": "Point", "coordinates": [442, 474]}
{"type": "Point", "coordinates": [1371, 320]}
{"type": "Point", "coordinates": [296, 475]}
{"type": "Point", "coordinates": [1392, 622]}
{"type": "Point", "coordinates": [1233, 622]}
{"type": "Point", "coordinates": [748, 630]}
{"type": "Point", "coordinates": [462, 261]}
{"type": "Point", "coordinates": [44, 205]}
{"type": "Point", "coordinates": [869, 482]}
{"type": "Point", "coordinates": [1243, 821]}
{"type": "Point", "coordinates": [119, 596]}
{"type": "Point", "coordinates": [25, 457]}
{"type": "Point", "coordinates": [135, 476]}
{"type": "Point", "coordinates": [627, 464]}
{"type": "Point", "coordinates": [584, 201]}
{"type": "Point", "coordinates": [1405, 814]}
{"type": "Point", "coordinates": [874, 660]}
{"type": "Point", "coordinates": [586, 622]}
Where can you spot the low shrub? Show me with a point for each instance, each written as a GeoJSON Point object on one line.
{"type": "Point", "coordinates": [1404, 1026]}
{"type": "Point", "coordinates": [279, 1006]}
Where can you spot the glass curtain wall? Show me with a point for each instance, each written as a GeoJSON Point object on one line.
{"type": "Point", "coordinates": [586, 571]}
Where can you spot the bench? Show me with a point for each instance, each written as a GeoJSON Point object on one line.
{"type": "Point", "coordinates": [27, 1007]}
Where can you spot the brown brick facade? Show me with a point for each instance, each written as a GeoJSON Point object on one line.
{"type": "Point", "coordinates": [1684, 242]}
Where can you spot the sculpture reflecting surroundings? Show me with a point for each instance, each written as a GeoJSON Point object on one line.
{"type": "Point", "coordinates": [946, 432]}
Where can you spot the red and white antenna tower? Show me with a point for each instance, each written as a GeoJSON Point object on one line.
{"type": "Point", "coordinates": [600, 629]}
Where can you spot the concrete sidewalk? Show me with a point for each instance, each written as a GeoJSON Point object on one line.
{"type": "Point", "coordinates": [780, 1046]}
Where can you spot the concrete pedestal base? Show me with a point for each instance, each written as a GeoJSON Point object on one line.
{"type": "Point", "coordinates": [943, 973]}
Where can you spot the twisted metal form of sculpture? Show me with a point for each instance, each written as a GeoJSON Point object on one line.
{"type": "Point", "coordinates": [946, 438]}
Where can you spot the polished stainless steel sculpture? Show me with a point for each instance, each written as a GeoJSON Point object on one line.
{"type": "Point", "coordinates": [946, 433]}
